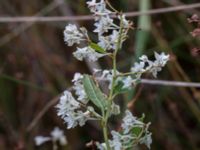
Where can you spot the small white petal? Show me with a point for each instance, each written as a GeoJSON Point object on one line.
{"type": "Point", "coordinates": [58, 135]}
{"type": "Point", "coordinates": [72, 35]}
{"type": "Point", "coordinates": [87, 53]}
{"type": "Point", "coordinates": [127, 81]}
{"type": "Point", "coordinates": [147, 140]}
{"type": "Point", "coordinates": [138, 67]}
{"type": "Point", "coordinates": [39, 140]}
{"type": "Point", "coordinates": [116, 142]}
{"type": "Point", "coordinates": [129, 121]}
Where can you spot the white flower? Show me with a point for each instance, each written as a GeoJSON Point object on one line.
{"type": "Point", "coordinates": [39, 140]}
{"type": "Point", "coordinates": [79, 88]}
{"type": "Point", "coordinates": [129, 121]}
{"type": "Point", "coordinates": [151, 66]}
{"type": "Point", "coordinates": [138, 69]}
{"type": "Point", "coordinates": [72, 35]}
{"type": "Point", "coordinates": [103, 25]}
{"type": "Point", "coordinates": [114, 38]}
{"type": "Point", "coordinates": [161, 59]}
{"type": "Point", "coordinates": [58, 135]}
{"type": "Point", "coordinates": [126, 23]}
{"type": "Point", "coordinates": [102, 18]}
{"type": "Point", "coordinates": [154, 70]}
{"type": "Point", "coordinates": [101, 8]}
{"type": "Point", "coordinates": [98, 8]}
{"type": "Point", "coordinates": [68, 109]}
{"type": "Point", "coordinates": [67, 103]}
{"type": "Point", "coordinates": [127, 81]}
{"type": "Point", "coordinates": [76, 118]}
{"type": "Point", "coordinates": [87, 53]}
{"type": "Point", "coordinates": [101, 146]}
{"type": "Point", "coordinates": [108, 76]}
{"type": "Point", "coordinates": [104, 42]}
{"type": "Point", "coordinates": [144, 58]}
{"type": "Point", "coordinates": [156, 66]}
{"type": "Point", "coordinates": [77, 77]}
{"type": "Point", "coordinates": [109, 42]}
{"type": "Point", "coordinates": [92, 5]}
{"type": "Point", "coordinates": [147, 140]}
{"type": "Point", "coordinates": [116, 142]}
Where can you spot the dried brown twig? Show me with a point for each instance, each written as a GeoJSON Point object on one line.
{"type": "Point", "coordinates": [143, 81]}
{"type": "Point", "coordinates": [89, 17]}
{"type": "Point", "coordinates": [170, 83]}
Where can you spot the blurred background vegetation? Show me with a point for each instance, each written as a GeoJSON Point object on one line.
{"type": "Point", "coordinates": [36, 66]}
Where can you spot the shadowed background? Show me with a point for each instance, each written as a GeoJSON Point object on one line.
{"type": "Point", "coordinates": [36, 66]}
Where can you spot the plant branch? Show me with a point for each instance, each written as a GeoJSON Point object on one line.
{"type": "Point", "coordinates": [90, 17]}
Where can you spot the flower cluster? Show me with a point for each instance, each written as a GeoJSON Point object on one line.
{"type": "Point", "coordinates": [146, 65]}
{"type": "Point", "coordinates": [103, 24]}
{"type": "Point", "coordinates": [79, 89]}
{"type": "Point", "coordinates": [88, 97]}
{"type": "Point", "coordinates": [87, 53]}
{"type": "Point", "coordinates": [72, 35]}
{"type": "Point", "coordinates": [57, 135]}
{"type": "Point", "coordinates": [134, 132]}
{"type": "Point", "coordinates": [70, 111]}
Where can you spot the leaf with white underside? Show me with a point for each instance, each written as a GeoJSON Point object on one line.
{"type": "Point", "coordinates": [94, 93]}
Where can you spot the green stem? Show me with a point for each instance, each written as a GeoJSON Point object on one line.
{"type": "Point", "coordinates": [108, 3]}
{"type": "Point", "coordinates": [110, 98]}
{"type": "Point", "coordinates": [105, 134]}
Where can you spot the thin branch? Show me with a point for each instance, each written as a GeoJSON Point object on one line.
{"type": "Point", "coordinates": [170, 83]}
{"type": "Point", "coordinates": [143, 81]}
{"type": "Point", "coordinates": [90, 17]}
{"type": "Point", "coordinates": [42, 112]}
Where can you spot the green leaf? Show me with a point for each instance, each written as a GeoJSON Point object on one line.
{"type": "Point", "coordinates": [137, 130]}
{"type": "Point", "coordinates": [94, 93]}
{"type": "Point", "coordinates": [118, 89]}
{"type": "Point", "coordinates": [97, 48]}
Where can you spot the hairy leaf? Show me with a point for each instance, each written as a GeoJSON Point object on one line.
{"type": "Point", "coordinates": [118, 89]}
{"type": "Point", "coordinates": [94, 93]}
{"type": "Point", "coordinates": [97, 48]}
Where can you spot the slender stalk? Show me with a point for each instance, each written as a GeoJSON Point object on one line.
{"type": "Point", "coordinates": [55, 147]}
{"type": "Point", "coordinates": [110, 98]}
{"type": "Point", "coordinates": [108, 3]}
{"type": "Point", "coordinates": [105, 134]}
